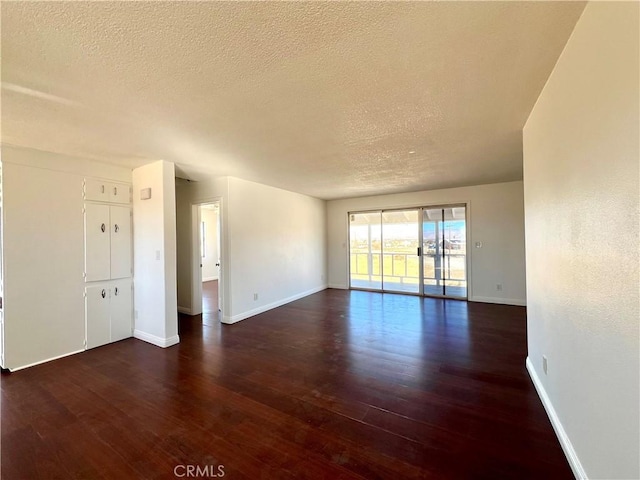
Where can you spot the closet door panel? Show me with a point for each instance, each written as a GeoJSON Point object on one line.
{"type": "Point", "coordinates": [97, 317]}
{"type": "Point", "coordinates": [120, 242]}
{"type": "Point", "coordinates": [96, 242]}
{"type": "Point", "coordinates": [119, 193]}
{"type": "Point", "coordinates": [121, 318]}
{"type": "Point", "coordinates": [96, 190]}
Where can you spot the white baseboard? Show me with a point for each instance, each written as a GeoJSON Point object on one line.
{"type": "Point", "coordinates": [339, 286]}
{"type": "Point", "coordinates": [15, 369]}
{"type": "Point", "coordinates": [184, 310]}
{"type": "Point", "coordinates": [501, 301]}
{"type": "Point", "coordinates": [153, 339]}
{"type": "Point", "coordinates": [563, 438]}
{"type": "Point", "coordinates": [209, 279]}
{"type": "Point", "coordinates": [271, 306]}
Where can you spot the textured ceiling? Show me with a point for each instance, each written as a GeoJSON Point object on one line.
{"type": "Point", "coordinates": [328, 99]}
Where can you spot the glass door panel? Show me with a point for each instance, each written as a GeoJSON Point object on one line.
{"type": "Point", "coordinates": [444, 251]}
{"type": "Point", "coordinates": [433, 282]}
{"type": "Point", "coordinates": [454, 265]}
{"type": "Point", "coordinates": [401, 263]}
{"type": "Point", "coordinates": [365, 255]}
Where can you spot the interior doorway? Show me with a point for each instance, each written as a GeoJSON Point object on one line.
{"type": "Point", "coordinates": [210, 260]}
{"type": "Point", "coordinates": [206, 253]}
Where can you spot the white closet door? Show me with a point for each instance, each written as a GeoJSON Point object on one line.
{"type": "Point", "coordinates": [96, 242]}
{"type": "Point", "coordinates": [97, 315]}
{"type": "Point", "coordinates": [119, 193]}
{"type": "Point", "coordinates": [96, 190]}
{"type": "Point", "coordinates": [121, 318]}
{"type": "Point", "coordinates": [120, 242]}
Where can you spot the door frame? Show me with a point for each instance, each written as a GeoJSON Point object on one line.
{"type": "Point", "coordinates": [196, 260]}
{"type": "Point", "coordinates": [420, 208]}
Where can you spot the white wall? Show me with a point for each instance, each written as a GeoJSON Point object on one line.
{"type": "Point", "coordinates": [273, 244]}
{"type": "Point", "coordinates": [277, 248]}
{"type": "Point", "coordinates": [183, 239]}
{"type": "Point", "coordinates": [154, 247]}
{"type": "Point", "coordinates": [44, 253]}
{"type": "Point", "coordinates": [496, 218]}
{"type": "Point", "coordinates": [581, 157]}
{"type": "Point", "coordinates": [210, 219]}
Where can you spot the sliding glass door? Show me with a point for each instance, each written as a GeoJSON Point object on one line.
{"type": "Point", "coordinates": [420, 250]}
{"type": "Point", "coordinates": [400, 240]}
{"type": "Point", "coordinates": [444, 248]}
{"type": "Point", "coordinates": [365, 254]}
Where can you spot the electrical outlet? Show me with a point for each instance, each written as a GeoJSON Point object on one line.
{"type": "Point", "coordinates": [544, 364]}
{"type": "Point", "coordinates": [136, 314]}
{"type": "Point", "coordinates": [499, 287]}
{"type": "Point", "coordinates": [255, 296]}
{"type": "Point", "coordinates": [322, 278]}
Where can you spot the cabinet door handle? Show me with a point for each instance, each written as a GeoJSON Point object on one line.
{"type": "Point", "coordinates": [116, 291]}
{"type": "Point", "coordinates": [115, 190]}
{"type": "Point", "coordinates": [103, 227]}
{"type": "Point", "coordinates": [102, 186]}
{"type": "Point", "coordinates": [116, 228]}
{"type": "Point", "coordinates": [104, 293]}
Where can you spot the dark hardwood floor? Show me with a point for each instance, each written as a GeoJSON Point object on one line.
{"type": "Point", "coordinates": [210, 315]}
{"type": "Point", "coordinates": [337, 385]}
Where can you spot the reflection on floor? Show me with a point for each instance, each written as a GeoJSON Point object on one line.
{"type": "Point", "coordinates": [449, 290]}
{"type": "Point", "coordinates": [210, 302]}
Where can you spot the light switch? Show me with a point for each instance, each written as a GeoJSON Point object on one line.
{"type": "Point", "coordinates": [157, 254]}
